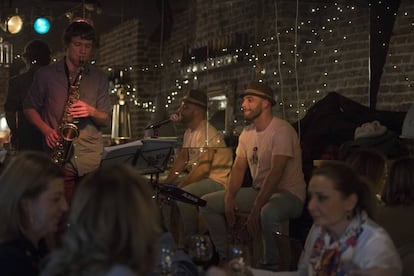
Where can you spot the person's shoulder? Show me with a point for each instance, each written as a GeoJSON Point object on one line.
{"type": "Point", "coordinates": [281, 123]}
{"type": "Point", "coordinates": [281, 128]}
{"type": "Point", "coordinates": [375, 249]}
{"type": "Point", "coordinates": [371, 226]}
{"type": "Point", "coordinates": [23, 77]}
{"type": "Point", "coordinates": [373, 232]}
{"type": "Point", "coordinates": [248, 129]}
{"type": "Point", "coordinates": [50, 68]}
{"type": "Point", "coordinates": [247, 132]}
{"type": "Point", "coordinates": [213, 132]}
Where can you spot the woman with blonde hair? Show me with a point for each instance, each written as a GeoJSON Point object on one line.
{"type": "Point", "coordinates": [31, 205]}
{"type": "Point", "coordinates": [114, 227]}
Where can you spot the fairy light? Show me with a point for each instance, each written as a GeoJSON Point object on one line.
{"type": "Point", "coordinates": [316, 37]}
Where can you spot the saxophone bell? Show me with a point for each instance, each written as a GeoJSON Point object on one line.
{"type": "Point", "coordinates": [69, 131]}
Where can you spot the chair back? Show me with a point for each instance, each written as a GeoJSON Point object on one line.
{"type": "Point", "coordinates": [407, 258]}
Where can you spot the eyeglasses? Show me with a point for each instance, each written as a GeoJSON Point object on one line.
{"type": "Point", "coordinates": [255, 158]}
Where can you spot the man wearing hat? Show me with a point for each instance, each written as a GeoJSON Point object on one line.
{"type": "Point", "coordinates": [270, 148]}
{"type": "Point", "coordinates": [203, 158]}
{"type": "Point", "coordinates": [25, 136]}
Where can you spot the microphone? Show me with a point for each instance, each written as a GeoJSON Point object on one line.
{"type": "Point", "coordinates": [174, 117]}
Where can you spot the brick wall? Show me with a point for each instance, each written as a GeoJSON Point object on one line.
{"type": "Point", "coordinates": [127, 48]}
{"type": "Point", "coordinates": [397, 82]}
{"type": "Point", "coordinates": [332, 53]}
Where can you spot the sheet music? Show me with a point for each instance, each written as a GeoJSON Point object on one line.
{"type": "Point", "coordinates": [122, 153]}
{"type": "Point", "coordinates": [154, 155]}
{"type": "Point", "coordinates": [148, 156]}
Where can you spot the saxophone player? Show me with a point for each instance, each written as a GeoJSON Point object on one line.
{"type": "Point", "coordinates": [70, 92]}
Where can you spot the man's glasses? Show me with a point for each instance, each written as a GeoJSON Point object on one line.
{"type": "Point", "coordinates": [255, 158]}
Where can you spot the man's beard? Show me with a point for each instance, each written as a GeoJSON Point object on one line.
{"type": "Point", "coordinates": [185, 119]}
{"type": "Point", "coordinates": [252, 115]}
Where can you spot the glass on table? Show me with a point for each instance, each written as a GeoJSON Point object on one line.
{"type": "Point", "coordinates": [200, 249]}
{"type": "Point", "coordinates": [239, 263]}
{"type": "Point", "coordinates": [164, 266]}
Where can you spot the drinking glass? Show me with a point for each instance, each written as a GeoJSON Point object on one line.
{"type": "Point", "coordinates": [165, 261]}
{"type": "Point", "coordinates": [200, 249]}
{"type": "Point", "coordinates": [239, 264]}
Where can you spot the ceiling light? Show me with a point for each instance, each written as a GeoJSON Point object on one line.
{"type": "Point", "coordinates": [14, 24]}
{"type": "Point", "coordinates": [41, 25]}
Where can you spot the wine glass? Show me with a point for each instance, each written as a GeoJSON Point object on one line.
{"type": "Point", "coordinates": [200, 249]}
{"type": "Point", "coordinates": [165, 261]}
{"type": "Point", "coordinates": [239, 263]}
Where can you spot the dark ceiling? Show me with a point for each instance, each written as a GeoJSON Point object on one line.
{"type": "Point", "coordinates": [105, 14]}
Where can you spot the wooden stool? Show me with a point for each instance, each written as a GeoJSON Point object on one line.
{"type": "Point", "coordinates": [255, 245]}
{"type": "Point", "coordinates": [289, 251]}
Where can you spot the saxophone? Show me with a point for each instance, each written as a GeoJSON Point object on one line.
{"type": "Point", "coordinates": [68, 129]}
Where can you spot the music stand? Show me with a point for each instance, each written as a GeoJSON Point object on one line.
{"type": "Point", "coordinates": [153, 156]}
{"type": "Point", "coordinates": [120, 154]}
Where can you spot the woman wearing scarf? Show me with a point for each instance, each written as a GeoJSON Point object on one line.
{"type": "Point", "coordinates": [344, 240]}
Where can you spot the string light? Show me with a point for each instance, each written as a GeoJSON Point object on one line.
{"type": "Point", "coordinates": [316, 44]}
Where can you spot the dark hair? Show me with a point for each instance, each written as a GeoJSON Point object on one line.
{"type": "Point", "coordinates": [37, 50]}
{"type": "Point", "coordinates": [399, 188]}
{"type": "Point", "coordinates": [26, 177]}
{"type": "Point", "coordinates": [348, 182]}
{"type": "Point", "coordinates": [79, 28]}
{"type": "Point", "coordinates": [114, 219]}
{"type": "Point", "coordinates": [370, 164]}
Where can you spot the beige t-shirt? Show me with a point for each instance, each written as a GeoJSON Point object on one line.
{"type": "Point", "coordinates": [206, 136]}
{"type": "Point", "coordinates": [279, 138]}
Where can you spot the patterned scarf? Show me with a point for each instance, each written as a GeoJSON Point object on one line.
{"type": "Point", "coordinates": [329, 257]}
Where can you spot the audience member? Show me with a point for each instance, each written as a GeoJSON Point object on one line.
{"type": "Point", "coordinates": [25, 136]}
{"type": "Point", "coordinates": [270, 148]}
{"type": "Point", "coordinates": [114, 227]}
{"type": "Point", "coordinates": [344, 240]}
{"type": "Point", "coordinates": [371, 165]}
{"type": "Point", "coordinates": [31, 204]}
{"type": "Point", "coordinates": [396, 214]}
{"type": "Point", "coordinates": [203, 155]}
